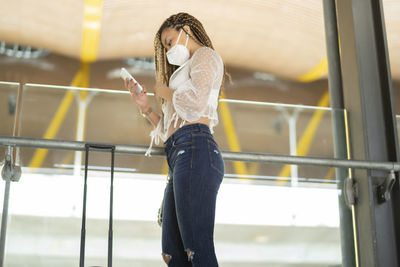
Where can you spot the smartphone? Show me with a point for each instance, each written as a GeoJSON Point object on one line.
{"type": "Point", "coordinates": [125, 74]}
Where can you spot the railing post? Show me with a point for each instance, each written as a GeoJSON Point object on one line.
{"type": "Point", "coordinates": [9, 173]}
{"type": "Point", "coordinates": [4, 219]}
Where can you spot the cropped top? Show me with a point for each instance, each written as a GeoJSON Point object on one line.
{"type": "Point", "coordinates": [196, 86]}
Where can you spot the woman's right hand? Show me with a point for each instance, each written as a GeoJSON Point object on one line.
{"type": "Point", "coordinates": [138, 98]}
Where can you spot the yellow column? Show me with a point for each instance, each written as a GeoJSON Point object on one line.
{"type": "Point", "coordinates": [90, 39]}
{"type": "Point", "coordinates": [306, 139]}
{"type": "Point", "coordinates": [308, 135]}
{"type": "Point", "coordinates": [233, 140]}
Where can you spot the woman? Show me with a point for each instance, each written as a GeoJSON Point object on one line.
{"type": "Point", "coordinates": [189, 75]}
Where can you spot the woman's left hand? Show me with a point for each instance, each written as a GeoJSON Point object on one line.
{"type": "Point", "coordinates": [163, 91]}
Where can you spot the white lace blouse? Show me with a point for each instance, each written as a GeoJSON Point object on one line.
{"type": "Point", "coordinates": [196, 86]}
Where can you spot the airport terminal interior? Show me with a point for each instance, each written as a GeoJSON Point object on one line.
{"type": "Point", "coordinates": [60, 79]}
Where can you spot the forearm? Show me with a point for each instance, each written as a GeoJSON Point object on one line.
{"type": "Point", "coordinates": [154, 118]}
{"type": "Point", "coordinates": [151, 115]}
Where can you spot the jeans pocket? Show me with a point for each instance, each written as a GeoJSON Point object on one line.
{"type": "Point", "coordinates": [183, 140]}
{"type": "Point", "coordinates": [216, 161]}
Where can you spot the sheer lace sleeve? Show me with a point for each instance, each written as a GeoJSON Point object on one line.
{"type": "Point", "coordinates": [156, 134]}
{"type": "Point", "coordinates": [191, 97]}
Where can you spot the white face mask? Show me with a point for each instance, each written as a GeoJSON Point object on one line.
{"type": "Point", "coordinates": [178, 54]}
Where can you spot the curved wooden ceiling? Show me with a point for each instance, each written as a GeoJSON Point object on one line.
{"type": "Point", "coordinates": [281, 37]}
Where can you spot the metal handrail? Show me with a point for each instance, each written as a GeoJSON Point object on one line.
{"type": "Point", "coordinates": [228, 100]}
{"type": "Point", "coordinates": [227, 155]}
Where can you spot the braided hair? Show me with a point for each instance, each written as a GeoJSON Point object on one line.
{"type": "Point", "coordinates": [164, 70]}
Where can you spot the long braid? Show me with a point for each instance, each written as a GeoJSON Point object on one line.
{"type": "Point", "coordinates": [164, 70]}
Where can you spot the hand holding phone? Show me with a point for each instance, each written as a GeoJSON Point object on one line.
{"type": "Point", "coordinates": [125, 74]}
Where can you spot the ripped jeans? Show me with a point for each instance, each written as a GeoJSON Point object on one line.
{"type": "Point", "coordinates": [196, 170]}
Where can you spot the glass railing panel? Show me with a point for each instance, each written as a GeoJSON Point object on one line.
{"type": "Point", "coordinates": [112, 117]}
{"type": "Point", "coordinates": [280, 129]}
{"type": "Point", "coordinates": [331, 144]}
{"type": "Point", "coordinates": [8, 111]}
{"type": "Point", "coordinates": [270, 127]}
{"type": "Point", "coordinates": [106, 116]}
{"type": "Point", "coordinates": [8, 104]}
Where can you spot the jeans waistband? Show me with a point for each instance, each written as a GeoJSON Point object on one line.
{"type": "Point", "coordinates": [191, 128]}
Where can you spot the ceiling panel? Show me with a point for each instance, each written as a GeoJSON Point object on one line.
{"type": "Point", "coordinates": [282, 37]}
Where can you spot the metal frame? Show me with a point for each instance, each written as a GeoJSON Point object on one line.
{"type": "Point", "coordinates": [367, 92]}
{"type": "Point", "coordinates": [347, 237]}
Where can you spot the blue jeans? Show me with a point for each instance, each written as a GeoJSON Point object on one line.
{"type": "Point", "coordinates": [196, 170]}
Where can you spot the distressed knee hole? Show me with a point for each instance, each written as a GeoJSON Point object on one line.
{"type": "Point", "coordinates": [166, 258]}
{"type": "Point", "coordinates": [190, 254]}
